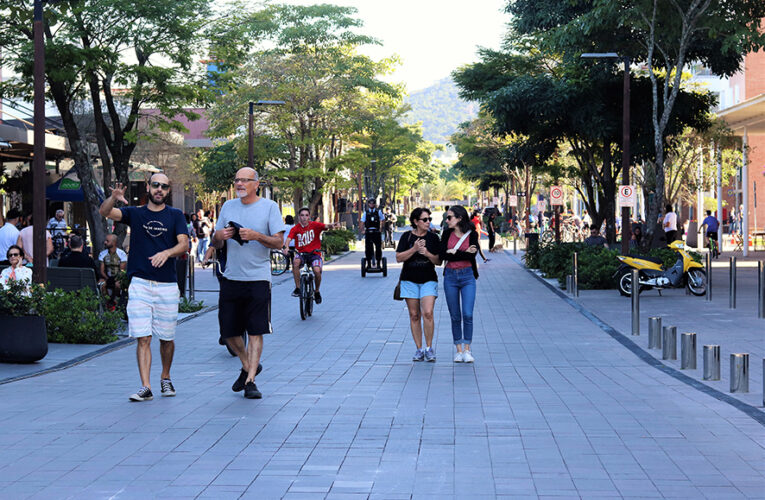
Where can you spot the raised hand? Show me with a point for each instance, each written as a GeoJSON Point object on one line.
{"type": "Point", "coordinates": [118, 192]}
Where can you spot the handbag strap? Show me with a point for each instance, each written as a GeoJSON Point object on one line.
{"type": "Point", "coordinates": [460, 241]}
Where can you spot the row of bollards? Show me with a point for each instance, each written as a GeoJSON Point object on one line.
{"type": "Point", "coordinates": [733, 284]}
{"type": "Point", "coordinates": [665, 338]}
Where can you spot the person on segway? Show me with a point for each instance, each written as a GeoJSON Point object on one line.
{"type": "Point", "coordinates": [389, 221]}
{"type": "Point", "coordinates": [371, 220]}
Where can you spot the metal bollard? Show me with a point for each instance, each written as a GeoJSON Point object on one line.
{"type": "Point", "coordinates": [191, 277]}
{"type": "Point", "coordinates": [575, 287]}
{"type": "Point", "coordinates": [569, 281]}
{"type": "Point", "coordinates": [515, 245]}
{"type": "Point", "coordinates": [732, 290]}
{"type": "Point", "coordinates": [708, 295]}
{"type": "Point", "coordinates": [688, 351]}
{"type": "Point", "coordinates": [711, 362]}
{"type": "Point", "coordinates": [635, 293]}
{"type": "Point", "coordinates": [654, 332]}
{"type": "Point", "coordinates": [669, 342]}
{"type": "Point", "coordinates": [763, 381]}
{"type": "Point", "coordinates": [761, 289]}
{"type": "Point", "coordinates": [739, 372]}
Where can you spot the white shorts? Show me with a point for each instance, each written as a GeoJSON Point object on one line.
{"type": "Point", "coordinates": [152, 308]}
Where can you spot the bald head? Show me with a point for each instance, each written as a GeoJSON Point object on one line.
{"type": "Point", "coordinates": [247, 173]}
{"type": "Point", "coordinates": [159, 177]}
{"type": "Point", "coordinates": [246, 184]}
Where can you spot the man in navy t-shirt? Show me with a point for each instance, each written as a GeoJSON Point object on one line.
{"type": "Point", "coordinates": [158, 235]}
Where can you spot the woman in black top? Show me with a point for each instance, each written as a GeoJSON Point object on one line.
{"type": "Point", "coordinates": [418, 249]}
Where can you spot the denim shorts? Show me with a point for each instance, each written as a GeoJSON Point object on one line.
{"type": "Point", "coordinates": [411, 290]}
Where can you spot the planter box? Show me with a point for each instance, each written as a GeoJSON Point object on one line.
{"type": "Point", "coordinates": [23, 339]}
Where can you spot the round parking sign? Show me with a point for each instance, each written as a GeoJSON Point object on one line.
{"type": "Point", "coordinates": [556, 195]}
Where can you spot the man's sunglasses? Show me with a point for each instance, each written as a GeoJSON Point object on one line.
{"type": "Point", "coordinates": [14, 254]}
{"type": "Point", "coordinates": [162, 185]}
{"type": "Point", "coordinates": [426, 219]}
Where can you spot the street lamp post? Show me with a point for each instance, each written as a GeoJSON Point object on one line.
{"type": "Point", "coordinates": [626, 220]}
{"type": "Point", "coordinates": [251, 133]}
{"type": "Point", "coordinates": [39, 274]}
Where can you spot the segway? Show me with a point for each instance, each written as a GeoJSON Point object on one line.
{"type": "Point", "coordinates": [366, 267]}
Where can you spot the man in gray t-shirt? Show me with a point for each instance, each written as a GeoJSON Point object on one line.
{"type": "Point", "coordinates": [249, 227]}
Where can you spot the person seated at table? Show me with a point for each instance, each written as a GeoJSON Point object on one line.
{"type": "Point", "coordinates": [77, 258]}
{"type": "Point", "coordinates": [595, 239]}
{"type": "Point", "coordinates": [16, 271]}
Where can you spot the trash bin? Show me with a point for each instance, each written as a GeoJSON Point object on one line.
{"type": "Point", "coordinates": [532, 239]}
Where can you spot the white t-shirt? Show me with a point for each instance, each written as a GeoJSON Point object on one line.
{"type": "Point", "coordinates": [250, 261]}
{"type": "Point", "coordinates": [9, 235]}
{"type": "Point", "coordinates": [670, 218]}
{"type": "Point", "coordinates": [287, 228]}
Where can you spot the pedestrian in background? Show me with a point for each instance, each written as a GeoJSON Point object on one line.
{"type": "Point", "coordinates": [419, 250]}
{"type": "Point", "coordinates": [459, 245]}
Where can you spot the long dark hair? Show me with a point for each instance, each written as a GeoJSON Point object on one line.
{"type": "Point", "coordinates": [464, 221]}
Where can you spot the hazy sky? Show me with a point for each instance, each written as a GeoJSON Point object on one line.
{"type": "Point", "coordinates": [432, 37]}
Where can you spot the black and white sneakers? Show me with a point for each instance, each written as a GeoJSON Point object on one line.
{"type": "Point", "coordinates": [167, 388]}
{"type": "Point", "coordinates": [143, 394]}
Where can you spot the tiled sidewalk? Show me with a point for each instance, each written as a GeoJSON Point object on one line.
{"type": "Point", "coordinates": [553, 407]}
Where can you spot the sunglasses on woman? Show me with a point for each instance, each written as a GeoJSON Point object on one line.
{"type": "Point", "coordinates": [450, 217]}
{"type": "Point", "coordinates": [426, 219]}
{"type": "Point", "coordinates": [14, 254]}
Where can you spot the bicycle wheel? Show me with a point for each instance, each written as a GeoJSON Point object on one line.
{"type": "Point", "coordinates": [303, 295]}
{"type": "Point", "coordinates": [309, 298]}
{"type": "Point", "coordinates": [278, 263]}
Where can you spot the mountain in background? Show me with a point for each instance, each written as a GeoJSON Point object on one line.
{"type": "Point", "coordinates": [440, 110]}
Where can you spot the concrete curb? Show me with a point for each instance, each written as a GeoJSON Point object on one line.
{"type": "Point", "coordinates": [752, 411]}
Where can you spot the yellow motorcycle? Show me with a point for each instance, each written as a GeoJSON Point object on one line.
{"type": "Point", "coordinates": [685, 272]}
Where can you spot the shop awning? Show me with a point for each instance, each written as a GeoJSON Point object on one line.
{"type": "Point", "coordinates": [69, 188]}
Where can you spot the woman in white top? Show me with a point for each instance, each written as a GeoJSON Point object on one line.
{"type": "Point", "coordinates": [16, 271]}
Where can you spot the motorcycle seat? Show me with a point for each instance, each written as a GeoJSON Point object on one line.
{"type": "Point", "coordinates": [655, 260]}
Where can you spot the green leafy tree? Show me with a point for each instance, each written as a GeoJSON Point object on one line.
{"type": "Point", "coordinates": [309, 59]}
{"type": "Point", "coordinates": [118, 55]}
{"type": "Point", "coordinates": [663, 35]}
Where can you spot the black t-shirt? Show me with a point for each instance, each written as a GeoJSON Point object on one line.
{"type": "Point", "coordinates": [418, 268]}
{"type": "Point", "coordinates": [79, 259]}
{"type": "Point", "coordinates": [150, 233]}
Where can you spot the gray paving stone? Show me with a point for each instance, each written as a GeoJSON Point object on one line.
{"type": "Point", "coordinates": [553, 407]}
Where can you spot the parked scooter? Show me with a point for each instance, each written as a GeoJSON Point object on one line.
{"type": "Point", "coordinates": [685, 272]}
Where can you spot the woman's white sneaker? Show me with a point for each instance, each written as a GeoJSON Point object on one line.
{"type": "Point", "coordinates": [458, 358]}
{"type": "Point", "coordinates": [467, 357]}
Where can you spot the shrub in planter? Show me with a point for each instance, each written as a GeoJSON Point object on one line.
{"type": "Point", "coordinates": [23, 336]}
{"type": "Point", "coordinates": [76, 318]}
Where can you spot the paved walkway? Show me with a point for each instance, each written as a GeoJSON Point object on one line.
{"type": "Point", "coordinates": [553, 407]}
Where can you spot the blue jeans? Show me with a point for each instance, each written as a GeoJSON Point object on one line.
{"type": "Point", "coordinates": [459, 286]}
{"type": "Point", "coordinates": [202, 248]}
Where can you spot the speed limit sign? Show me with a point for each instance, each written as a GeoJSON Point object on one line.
{"type": "Point", "coordinates": [556, 195]}
{"type": "Point", "coordinates": [627, 196]}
